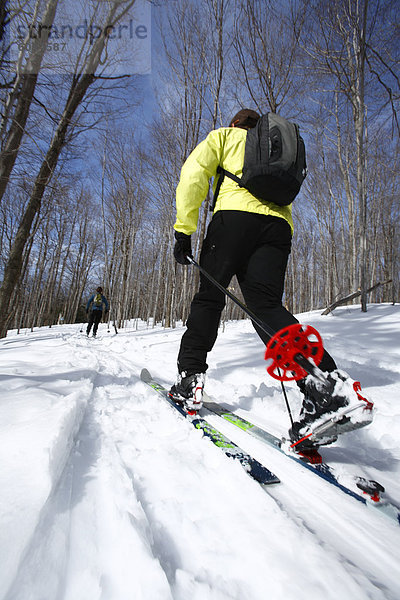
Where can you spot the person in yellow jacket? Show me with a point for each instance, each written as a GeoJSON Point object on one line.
{"type": "Point", "coordinates": [246, 237]}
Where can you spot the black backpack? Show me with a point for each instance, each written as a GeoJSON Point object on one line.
{"type": "Point", "coordinates": [274, 161]}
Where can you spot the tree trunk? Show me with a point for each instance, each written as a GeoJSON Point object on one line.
{"type": "Point", "coordinates": [27, 82]}
{"type": "Point", "coordinates": [80, 85]}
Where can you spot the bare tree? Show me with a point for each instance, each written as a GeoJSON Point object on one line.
{"type": "Point", "coordinates": [342, 42]}
{"type": "Point", "coordinates": [19, 99]}
{"type": "Point", "coordinates": [126, 205]}
{"type": "Point", "coordinates": [266, 45]}
{"type": "Point", "coordinates": [84, 77]}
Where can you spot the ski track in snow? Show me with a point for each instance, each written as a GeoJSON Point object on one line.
{"type": "Point", "coordinates": [106, 493]}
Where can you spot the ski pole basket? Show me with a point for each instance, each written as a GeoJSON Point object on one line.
{"type": "Point", "coordinates": [289, 345]}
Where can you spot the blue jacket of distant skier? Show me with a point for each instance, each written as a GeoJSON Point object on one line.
{"type": "Point", "coordinates": [94, 307]}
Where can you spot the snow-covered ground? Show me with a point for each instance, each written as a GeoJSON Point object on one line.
{"type": "Point", "coordinates": [107, 493]}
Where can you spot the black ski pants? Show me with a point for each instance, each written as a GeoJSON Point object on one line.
{"type": "Point", "coordinates": [94, 319]}
{"type": "Point", "coordinates": [256, 249]}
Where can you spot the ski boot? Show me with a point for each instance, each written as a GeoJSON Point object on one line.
{"type": "Point", "coordinates": [329, 410]}
{"type": "Point", "coordinates": [188, 391]}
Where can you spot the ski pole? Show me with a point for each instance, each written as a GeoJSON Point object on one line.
{"type": "Point", "coordinates": [287, 403]}
{"type": "Point", "coordinates": [270, 332]}
{"type": "Point", "coordinates": [299, 358]}
{"type": "Point", "coordinates": [254, 317]}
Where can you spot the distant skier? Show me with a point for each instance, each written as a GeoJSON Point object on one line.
{"type": "Point", "coordinates": [97, 303]}
{"type": "Point", "coordinates": [250, 238]}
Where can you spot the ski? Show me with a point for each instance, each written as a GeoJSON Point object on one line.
{"type": "Point", "coordinates": [370, 491]}
{"type": "Point", "coordinates": [252, 467]}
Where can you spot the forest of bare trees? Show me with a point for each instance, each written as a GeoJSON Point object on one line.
{"type": "Point", "coordinates": [89, 162]}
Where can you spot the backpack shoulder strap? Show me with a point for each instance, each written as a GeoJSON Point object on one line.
{"type": "Point", "coordinates": [222, 172]}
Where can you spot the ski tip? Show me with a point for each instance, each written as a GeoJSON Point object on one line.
{"type": "Point", "coordinates": [273, 479]}
{"type": "Point", "coordinates": [261, 473]}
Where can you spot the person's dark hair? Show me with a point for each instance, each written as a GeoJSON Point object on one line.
{"type": "Point", "coordinates": [245, 118]}
{"type": "Point", "coordinates": [100, 290]}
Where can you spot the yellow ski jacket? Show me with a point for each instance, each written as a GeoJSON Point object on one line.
{"type": "Point", "coordinates": [225, 147]}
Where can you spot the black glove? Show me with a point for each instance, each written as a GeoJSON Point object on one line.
{"type": "Point", "coordinates": [183, 248]}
